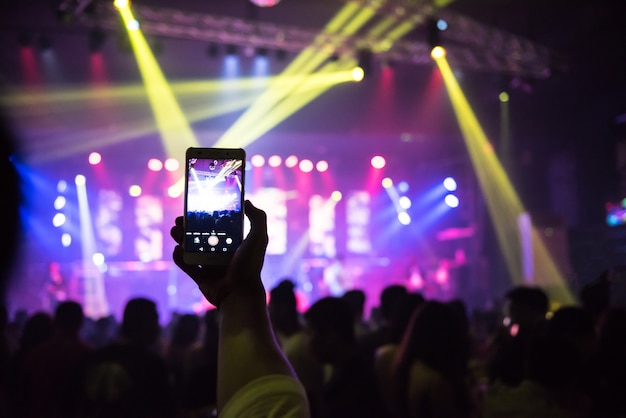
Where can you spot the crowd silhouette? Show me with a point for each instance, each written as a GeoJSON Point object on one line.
{"type": "Point", "coordinates": [422, 358]}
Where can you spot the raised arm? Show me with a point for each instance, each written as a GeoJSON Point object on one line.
{"type": "Point", "coordinates": [248, 350]}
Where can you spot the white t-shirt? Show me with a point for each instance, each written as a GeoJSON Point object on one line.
{"type": "Point", "coordinates": [269, 396]}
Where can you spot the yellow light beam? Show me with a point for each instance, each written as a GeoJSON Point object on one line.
{"type": "Point", "coordinates": [503, 203]}
{"type": "Point", "coordinates": [349, 19]}
{"type": "Point", "coordinates": [176, 133]}
{"type": "Point", "coordinates": [304, 94]}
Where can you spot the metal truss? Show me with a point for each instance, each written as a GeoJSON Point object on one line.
{"type": "Point", "coordinates": [469, 44]}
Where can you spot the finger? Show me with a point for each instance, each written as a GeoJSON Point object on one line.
{"type": "Point", "coordinates": [177, 232]}
{"type": "Point", "coordinates": [258, 221]}
{"type": "Point", "coordinates": [192, 270]}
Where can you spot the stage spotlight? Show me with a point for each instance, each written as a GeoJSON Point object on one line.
{"type": "Point", "coordinates": [404, 218]}
{"type": "Point", "coordinates": [321, 166]}
{"type": "Point", "coordinates": [58, 220]}
{"type": "Point", "coordinates": [44, 43]}
{"type": "Point", "coordinates": [438, 52]}
{"type": "Point", "coordinates": [452, 201]}
{"type": "Point", "coordinates": [172, 164]}
{"type": "Point", "coordinates": [132, 24]}
{"type": "Point", "coordinates": [336, 196]}
{"type": "Point", "coordinates": [66, 239]}
{"type": "Point", "coordinates": [378, 162]}
{"type": "Point", "coordinates": [387, 183]}
{"type": "Point", "coordinates": [403, 187]}
{"type": "Point", "coordinates": [62, 186]}
{"type": "Point", "coordinates": [95, 158]}
{"type": "Point", "coordinates": [404, 202]}
{"type": "Point", "coordinates": [257, 160]}
{"type": "Point", "coordinates": [306, 166]}
{"type": "Point", "coordinates": [134, 190]}
{"type": "Point", "coordinates": [59, 202]}
{"type": "Point", "coordinates": [231, 50]}
{"type": "Point", "coordinates": [265, 3]}
{"type": "Point", "coordinates": [504, 97]}
{"type": "Point", "coordinates": [358, 74]}
{"type": "Point", "coordinates": [450, 184]}
{"type": "Point", "coordinates": [24, 40]}
{"type": "Point", "coordinates": [274, 161]}
{"type": "Point", "coordinates": [155, 164]}
{"type": "Point", "coordinates": [98, 259]}
{"type": "Point", "coordinates": [291, 161]}
{"type": "Point", "coordinates": [96, 39]}
{"type": "Point", "coordinates": [442, 24]}
{"type": "Point", "coordinates": [121, 4]}
{"type": "Point", "coordinates": [213, 50]}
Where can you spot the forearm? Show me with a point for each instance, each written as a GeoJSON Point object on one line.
{"type": "Point", "coordinates": [247, 346]}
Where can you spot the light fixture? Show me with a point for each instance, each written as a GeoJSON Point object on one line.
{"type": "Point", "coordinates": [265, 3]}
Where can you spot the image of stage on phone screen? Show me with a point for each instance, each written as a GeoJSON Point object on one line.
{"type": "Point", "coordinates": [214, 205]}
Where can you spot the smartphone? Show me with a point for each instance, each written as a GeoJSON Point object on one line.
{"type": "Point", "coordinates": [214, 209]}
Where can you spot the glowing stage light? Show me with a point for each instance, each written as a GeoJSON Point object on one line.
{"type": "Point", "coordinates": [59, 202]}
{"type": "Point", "coordinates": [66, 239]}
{"type": "Point", "coordinates": [176, 190]}
{"type": "Point", "coordinates": [291, 161]}
{"type": "Point", "coordinates": [265, 3]}
{"type": "Point", "coordinates": [404, 218]}
{"type": "Point", "coordinates": [121, 4]}
{"type": "Point", "coordinates": [504, 97]}
{"type": "Point", "coordinates": [452, 201]}
{"type": "Point", "coordinates": [98, 259]}
{"type": "Point", "coordinates": [95, 158]}
{"type": "Point", "coordinates": [134, 190]}
{"type": "Point", "coordinates": [321, 166]}
{"type": "Point", "coordinates": [403, 187]}
{"type": "Point", "coordinates": [80, 180]}
{"type": "Point", "coordinates": [274, 161]}
{"type": "Point", "coordinates": [438, 52]}
{"type": "Point", "coordinates": [404, 202]}
{"type": "Point", "coordinates": [450, 184]}
{"type": "Point", "coordinates": [336, 196]}
{"type": "Point", "coordinates": [378, 162]}
{"type": "Point", "coordinates": [58, 220]}
{"type": "Point", "coordinates": [358, 74]}
{"type": "Point", "coordinates": [62, 186]}
{"type": "Point", "coordinates": [132, 25]}
{"type": "Point", "coordinates": [442, 25]}
{"type": "Point", "coordinates": [387, 183]}
{"type": "Point", "coordinates": [155, 164]}
{"type": "Point", "coordinates": [172, 164]}
{"type": "Point", "coordinates": [306, 166]}
{"type": "Point", "coordinates": [257, 160]}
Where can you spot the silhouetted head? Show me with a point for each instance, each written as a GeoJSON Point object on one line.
{"type": "Point", "coordinates": [330, 328]}
{"type": "Point", "coordinates": [38, 329]}
{"type": "Point", "coordinates": [282, 308]}
{"type": "Point", "coordinates": [389, 297]}
{"type": "Point", "coordinates": [437, 336]}
{"type": "Point", "coordinates": [140, 324]}
{"type": "Point", "coordinates": [186, 330]}
{"type": "Point", "coordinates": [552, 361]}
{"type": "Point", "coordinates": [11, 199]}
{"type": "Point", "coordinates": [69, 317]}
{"type": "Point", "coordinates": [356, 300]}
{"type": "Point", "coordinates": [527, 305]}
{"type": "Point", "coordinates": [577, 325]}
{"type": "Point", "coordinates": [402, 314]}
{"type": "Point", "coordinates": [596, 296]}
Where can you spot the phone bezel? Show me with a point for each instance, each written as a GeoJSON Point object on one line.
{"type": "Point", "coordinates": [195, 258]}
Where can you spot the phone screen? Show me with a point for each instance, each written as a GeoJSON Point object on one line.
{"type": "Point", "coordinates": [214, 199]}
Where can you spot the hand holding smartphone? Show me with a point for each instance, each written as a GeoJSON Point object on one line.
{"type": "Point", "coordinates": [214, 204]}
